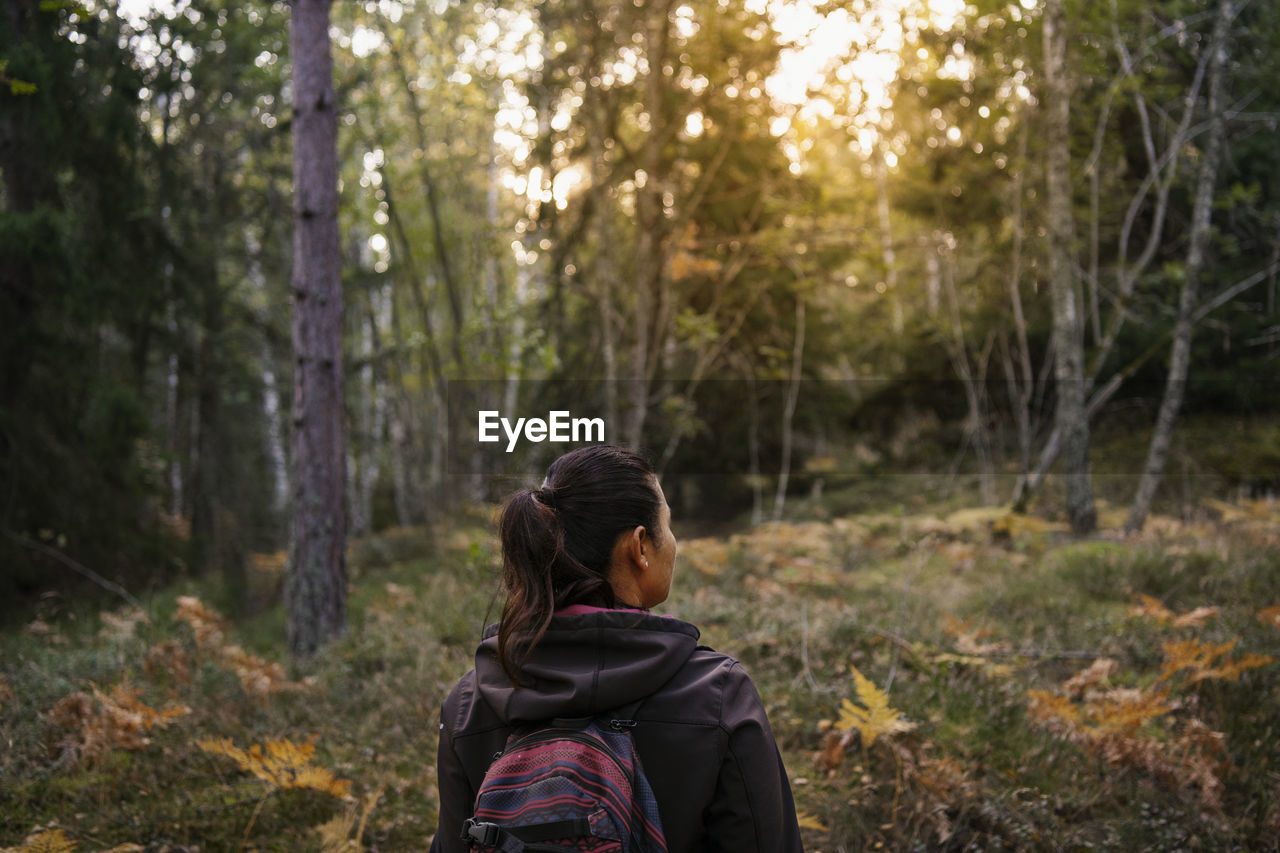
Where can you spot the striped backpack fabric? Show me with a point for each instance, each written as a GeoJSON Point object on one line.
{"type": "Point", "coordinates": [569, 785]}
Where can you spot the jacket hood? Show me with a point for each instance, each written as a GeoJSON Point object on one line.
{"type": "Point", "coordinates": [586, 664]}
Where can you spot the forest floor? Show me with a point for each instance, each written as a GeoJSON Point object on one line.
{"type": "Point", "coordinates": [937, 679]}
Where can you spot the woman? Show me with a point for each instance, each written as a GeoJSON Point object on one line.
{"type": "Point", "coordinates": [584, 558]}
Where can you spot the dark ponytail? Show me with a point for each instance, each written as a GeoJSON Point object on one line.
{"type": "Point", "coordinates": [558, 540]}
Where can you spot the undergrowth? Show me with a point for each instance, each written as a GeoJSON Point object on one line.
{"type": "Point", "coordinates": [959, 680]}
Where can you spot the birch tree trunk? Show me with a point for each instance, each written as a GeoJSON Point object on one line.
{"type": "Point", "coordinates": [1068, 341]}
{"type": "Point", "coordinates": [887, 253]}
{"type": "Point", "coordinates": [316, 587]}
{"type": "Point", "coordinates": [1180, 351]}
{"type": "Point", "coordinates": [974, 395]}
{"type": "Point", "coordinates": [1021, 380]}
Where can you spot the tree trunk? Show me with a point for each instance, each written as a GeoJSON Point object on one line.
{"type": "Point", "coordinates": [316, 595]}
{"type": "Point", "coordinates": [603, 265]}
{"type": "Point", "coordinates": [650, 227]}
{"type": "Point", "coordinates": [274, 441]}
{"type": "Point", "coordinates": [1022, 380]}
{"type": "Point", "coordinates": [365, 446]}
{"type": "Point", "coordinates": [1180, 351]}
{"type": "Point", "coordinates": [793, 395]}
{"type": "Point", "coordinates": [973, 393]}
{"type": "Point", "coordinates": [753, 449]}
{"type": "Point", "coordinates": [1068, 341]}
{"type": "Point", "coordinates": [886, 238]}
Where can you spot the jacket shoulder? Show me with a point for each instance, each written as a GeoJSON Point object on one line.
{"type": "Point", "coordinates": [460, 705]}
{"type": "Point", "coordinates": [710, 689]}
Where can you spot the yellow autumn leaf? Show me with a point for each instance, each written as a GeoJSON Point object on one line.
{"type": "Point", "coordinates": [876, 717]}
{"type": "Point", "coordinates": [808, 821]}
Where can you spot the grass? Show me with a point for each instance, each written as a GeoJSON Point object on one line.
{"type": "Point", "coordinates": [954, 614]}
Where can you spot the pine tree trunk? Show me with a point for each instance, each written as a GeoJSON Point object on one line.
{"type": "Point", "coordinates": [317, 580]}
{"type": "Point", "coordinates": [1180, 351]}
{"type": "Point", "coordinates": [1068, 341]}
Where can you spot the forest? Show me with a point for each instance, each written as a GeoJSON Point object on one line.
{"type": "Point", "coordinates": [950, 327]}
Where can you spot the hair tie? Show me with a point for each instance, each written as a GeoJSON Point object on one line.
{"type": "Point", "coordinates": [546, 497]}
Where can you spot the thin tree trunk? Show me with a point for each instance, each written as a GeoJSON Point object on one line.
{"type": "Point", "coordinates": [788, 415]}
{"type": "Point", "coordinates": [443, 255]}
{"type": "Point", "coordinates": [887, 254]}
{"type": "Point", "coordinates": [1093, 168]}
{"type": "Point", "coordinates": [173, 412]}
{"type": "Point", "coordinates": [977, 426]}
{"type": "Point", "coordinates": [408, 503]}
{"type": "Point", "coordinates": [753, 449]}
{"type": "Point", "coordinates": [1067, 331]}
{"type": "Point", "coordinates": [270, 392]}
{"type": "Point", "coordinates": [1019, 391]}
{"type": "Point", "coordinates": [603, 268]}
{"type": "Point", "coordinates": [650, 252]}
{"type": "Point", "coordinates": [1180, 354]}
{"type": "Point", "coordinates": [362, 442]}
{"type": "Point", "coordinates": [316, 588]}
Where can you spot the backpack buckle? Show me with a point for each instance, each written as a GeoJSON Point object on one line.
{"type": "Point", "coordinates": [484, 834]}
{"type": "Point", "coordinates": [622, 725]}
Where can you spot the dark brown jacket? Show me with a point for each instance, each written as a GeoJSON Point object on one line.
{"type": "Point", "coordinates": [702, 735]}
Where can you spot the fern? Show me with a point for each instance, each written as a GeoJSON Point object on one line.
{"type": "Point", "coordinates": [1153, 609]}
{"type": "Point", "coordinates": [876, 717]}
{"type": "Point", "coordinates": [1097, 672]}
{"type": "Point", "coordinates": [335, 835]}
{"type": "Point", "coordinates": [281, 764]}
{"type": "Point", "coordinates": [48, 841]}
{"type": "Point", "coordinates": [208, 626]}
{"type": "Point", "coordinates": [259, 677]}
{"type": "Point", "coordinates": [1198, 659]}
{"type": "Point", "coordinates": [1120, 725]}
{"type": "Point", "coordinates": [93, 726]}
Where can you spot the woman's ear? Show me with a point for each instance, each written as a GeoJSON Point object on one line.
{"type": "Point", "coordinates": [638, 545]}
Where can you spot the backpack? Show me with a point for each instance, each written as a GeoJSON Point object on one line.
{"type": "Point", "coordinates": [567, 785]}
